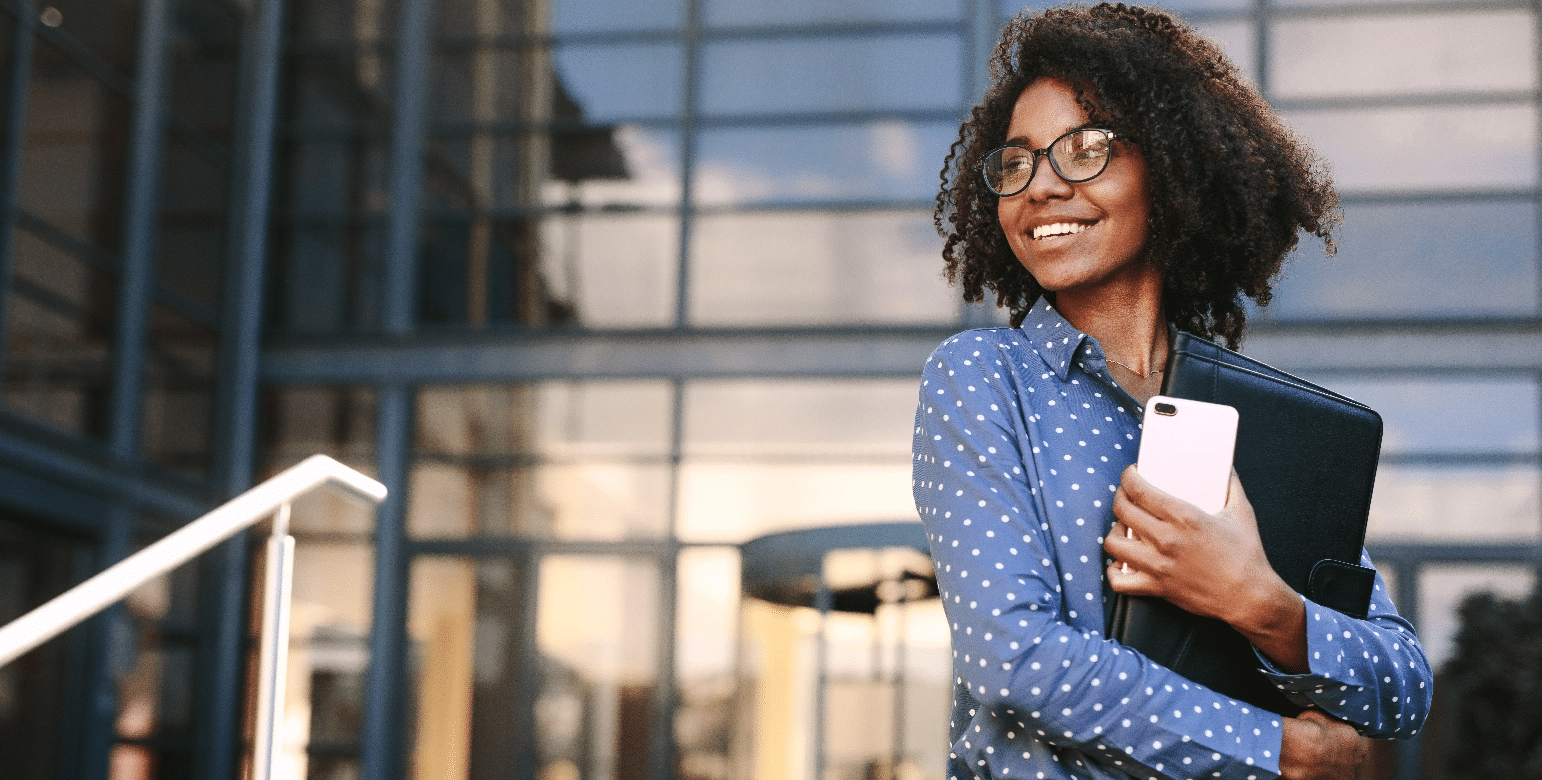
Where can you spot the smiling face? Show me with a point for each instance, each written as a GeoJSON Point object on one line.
{"type": "Point", "coordinates": [1074, 238]}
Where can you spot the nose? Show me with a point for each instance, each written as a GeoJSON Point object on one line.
{"type": "Point", "coordinates": [1046, 182]}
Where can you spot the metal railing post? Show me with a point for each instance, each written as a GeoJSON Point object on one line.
{"type": "Point", "coordinates": [275, 642]}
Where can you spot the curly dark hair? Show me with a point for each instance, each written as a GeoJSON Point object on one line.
{"type": "Point", "coordinates": [1229, 186]}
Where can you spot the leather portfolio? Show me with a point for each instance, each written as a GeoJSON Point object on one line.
{"type": "Point", "coordinates": [1307, 460]}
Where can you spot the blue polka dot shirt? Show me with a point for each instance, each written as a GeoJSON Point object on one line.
{"type": "Point", "coordinates": [1020, 438]}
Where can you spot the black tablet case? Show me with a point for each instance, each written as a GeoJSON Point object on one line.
{"type": "Point", "coordinates": [1307, 459]}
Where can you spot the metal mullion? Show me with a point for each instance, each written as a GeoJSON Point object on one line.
{"type": "Point", "coordinates": [530, 460]}
{"type": "Point", "coordinates": [141, 212]}
{"type": "Point", "coordinates": [513, 546]}
{"type": "Point", "coordinates": [553, 40]}
{"type": "Point", "coordinates": [1441, 99]}
{"type": "Point", "coordinates": [662, 755]}
{"type": "Point", "coordinates": [125, 416]}
{"type": "Point", "coordinates": [408, 166]}
{"type": "Point", "coordinates": [774, 32]}
{"type": "Point", "coordinates": [386, 676]}
{"type": "Point", "coordinates": [854, 205]}
{"type": "Point", "coordinates": [1406, 8]}
{"type": "Point", "coordinates": [14, 111]}
{"type": "Point", "coordinates": [543, 212]}
{"type": "Point", "coordinates": [819, 118]}
{"type": "Point", "coordinates": [455, 128]}
{"type": "Point", "coordinates": [691, 54]}
{"type": "Point", "coordinates": [1437, 196]}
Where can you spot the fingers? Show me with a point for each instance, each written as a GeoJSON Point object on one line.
{"type": "Point", "coordinates": [1155, 501]}
{"type": "Point", "coordinates": [1131, 580]}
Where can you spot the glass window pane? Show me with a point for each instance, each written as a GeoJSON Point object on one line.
{"type": "Point", "coordinates": [727, 13]}
{"type": "Point", "coordinates": [1441, 590]}
{"type": "Point", "coordinates": [1420, 260]}
{"type": "Point", "coordinates": [50, 272]}
{"type": "Point", "coordinates": [892, 161]}
{"type": "Point", "coordinates": [797, 418]}
{"type": "Point", "coordinates": [601, 501]}
{"type": "Point", "coordinates": [1238, 41]}
{"type": "Point", "coordinates": [557, 460]}
{"type": "Point", "coordinates": [109, 29]}
{"type": "Point", "coordinates": [298, 422]}
{"type": "Point", "coordinates": [346, 20]}
{"type": "Point", "coordinates": [553, 419]}
{"type": "Point", "coordinates": [1329, 57]}
{"type": "Point", "coordinates": [595, 83]}
{"type": "Point", "coordinates": [469, 628]}
{"type": "Point", "coordinates": [1412, 148]}
{"type": "Point", "coordinates": [74, 149]}
{"type": "Point", "coordinates": [152, 676]}
{"type": "Point", "coordinates": [897, 73]}
{"type": "Point", "coordinates": [205, 56]}
{"type": "Point", "coordinates": [178, 412]}
{"type": "Point", "coordinates": [190, 249]}
{"type": "Point", "coordinates": [58, 340]}
{"type": "Point", "coordinates": [1010, 7]}
{"type": "Point", "coordinates": [614, 270]}
{"type": "Point", "coordinates": [334, 176]}
{"type": "Point", "coordinates": [37, 563]}
{"type": "Point", "coordinates": [328, 277]}
{"type": "Point", "coordinates": [621, 166]}
{"type": "Point", "coordinates": [706, 644]}
{"type": "Point", "coordinates": [328, 649]}
{"type": "Point", "coordinates": [732, 503]}
{"type": "Point", "coordinates": [581, 16]}
{"type": "Point", "coordinates": [621, 81]}
{"type": "Point", "coordinates": [818, 267]}
{"type": "Point", "coordinates": [486, 82]}
{"type": "Point", "coordinates": [597, 632]}
{"type": "Point", "coordinates": [1486, 415]}
{"type": "Point", "coordinates": [333, 87]}
{"type": "Point", "coordinates": [1456, 504]}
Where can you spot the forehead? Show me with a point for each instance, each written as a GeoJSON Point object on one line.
{"type": "Point", "coordinates": [1046, 109]}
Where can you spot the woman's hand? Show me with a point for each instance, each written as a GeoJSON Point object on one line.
{"type": "Point", "coordinates": [1317, 747]}
{"type": "Point", "coordinates": [1211, 565]}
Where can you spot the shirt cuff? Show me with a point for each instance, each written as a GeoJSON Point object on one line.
{"type": "Point", "coordinates": [1323, 660]}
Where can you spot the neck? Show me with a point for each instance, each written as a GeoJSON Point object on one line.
{"type": "Point", "coordinates": [1127, 320]}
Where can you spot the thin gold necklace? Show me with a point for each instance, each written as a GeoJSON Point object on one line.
{"type": "Point", "coordinates": [1151, 373]}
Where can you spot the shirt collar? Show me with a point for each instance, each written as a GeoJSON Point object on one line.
{"type": "Point", "coordinates": [1056, 341]}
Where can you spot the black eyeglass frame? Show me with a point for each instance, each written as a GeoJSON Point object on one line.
{"type": "Point", "coordinates": [1045, 152]}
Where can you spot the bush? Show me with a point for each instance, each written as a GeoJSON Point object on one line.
{"type": "Point", "coordinates": [1491, 691]}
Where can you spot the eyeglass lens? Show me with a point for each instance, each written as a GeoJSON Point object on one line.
{"type": "Point", "coordinates": [1076, 156]}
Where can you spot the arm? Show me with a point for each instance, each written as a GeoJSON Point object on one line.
{"type": "Point", "coordinates": [1036, 676]}
{"type": "Point", "coordinates": [1371, 673]}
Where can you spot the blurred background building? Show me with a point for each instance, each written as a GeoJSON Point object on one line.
{"type": "Point", "coordinates": [604, 290]}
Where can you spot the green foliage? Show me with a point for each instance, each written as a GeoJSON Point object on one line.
{"type": "Point", "coordinates": [1491, 690]}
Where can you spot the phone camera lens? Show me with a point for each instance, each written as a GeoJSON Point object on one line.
{"type": "Point", "coordinates": [1166, 409]}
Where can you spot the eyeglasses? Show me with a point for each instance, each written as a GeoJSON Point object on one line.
{"type": "Point", "coordinates": [1077, 156]}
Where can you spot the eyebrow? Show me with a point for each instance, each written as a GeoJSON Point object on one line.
{"type": "Point", "coordinates": [1018, 140]}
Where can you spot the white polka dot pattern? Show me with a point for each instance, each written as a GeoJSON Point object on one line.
{"type": "Point", "coordinates": [1020, 438]}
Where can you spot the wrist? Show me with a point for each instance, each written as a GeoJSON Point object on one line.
{"type": "Point", "coordinates": [1273, 618]}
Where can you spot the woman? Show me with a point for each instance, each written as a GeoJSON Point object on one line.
{"type": "Point", "coordinates": [1120, 179]}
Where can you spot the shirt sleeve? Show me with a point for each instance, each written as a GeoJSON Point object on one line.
{"type": "Point", "coordinates": [1034, 673]}
{"type": "Point", "coordinates": [1371, 673]}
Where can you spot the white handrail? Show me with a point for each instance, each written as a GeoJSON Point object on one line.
{"type": "Point", "coordinates": [184, 544]}
{"type": "Point", "coordinates": [178, 547]}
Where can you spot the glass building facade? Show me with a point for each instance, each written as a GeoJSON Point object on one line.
{"type": "Point", "coordinates": [606, 292]}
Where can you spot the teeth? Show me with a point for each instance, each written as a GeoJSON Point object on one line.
{"type": "Point", "coordinates": [1058, 229]}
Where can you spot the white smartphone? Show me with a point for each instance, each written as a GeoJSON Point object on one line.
{"type": "Point", "coordinates": [1186, 449]}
